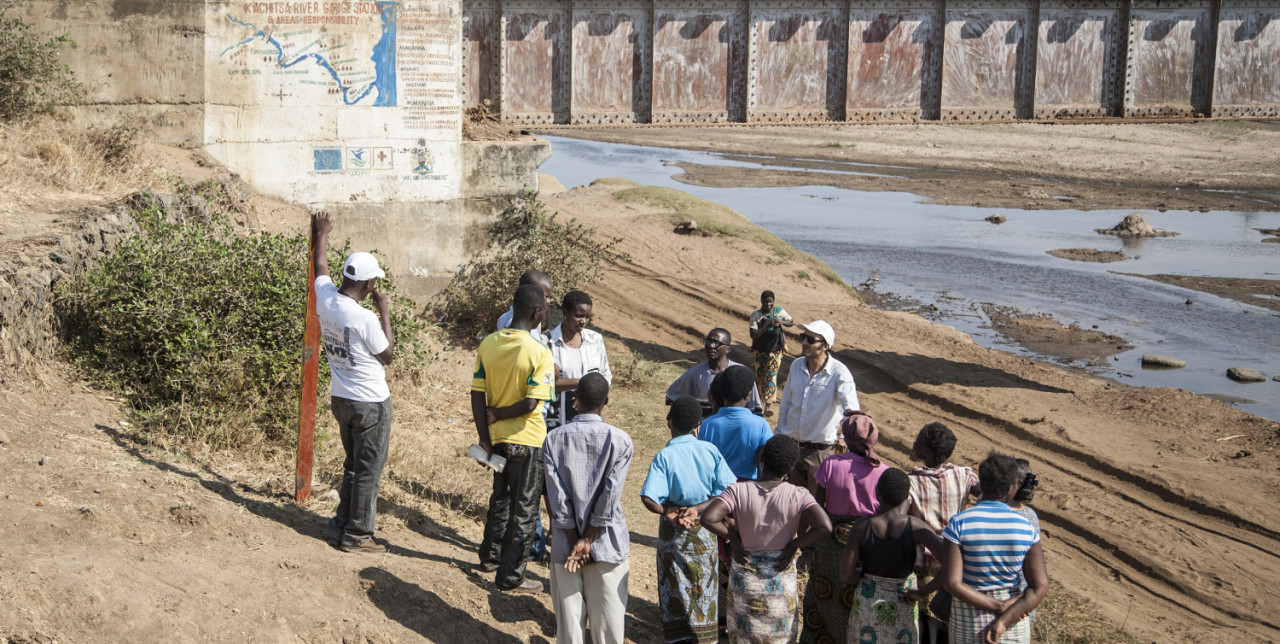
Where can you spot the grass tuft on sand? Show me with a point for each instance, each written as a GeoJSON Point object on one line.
{"type": "Point", "coordinates": [1065, 617]}
{"type": "Point", "coordinates": [714, 219]}
{"type": "Point", "coordinates": [615, 181]}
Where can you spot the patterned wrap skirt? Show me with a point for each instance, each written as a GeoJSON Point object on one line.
{"type": "Point", "coordinates": [767, 366]}
{"type": "Point", "coordinates": [762, 599]}
{"type": "Point", "coordinates": [688, 582]}
{"type": "Point", "coordinates": [968, 621]}
{"type": "Point", "coordinates": [880, 616]}
{"type": "Point", "coordinates": [827, 601]}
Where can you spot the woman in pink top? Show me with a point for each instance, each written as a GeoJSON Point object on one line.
{"type": "Point", "coordinates": [847, 490]}
{"type": "Point", "coordinates": [771, 521]}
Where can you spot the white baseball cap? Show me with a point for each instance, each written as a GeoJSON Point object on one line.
{"type": "Point", "coordinates": [820, 329]}
{"type": "Point", "coordinates": [361, 266]}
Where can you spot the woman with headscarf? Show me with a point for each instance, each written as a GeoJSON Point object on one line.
{"type": "Point", "coordinates": [847, 491]}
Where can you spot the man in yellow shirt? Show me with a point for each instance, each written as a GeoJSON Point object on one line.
{"type": "Point", "coordinates": [514, 377]}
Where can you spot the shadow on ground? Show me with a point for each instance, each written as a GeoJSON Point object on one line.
{"type": "Point", "coordinates": [886, 372]}
{"type": "Point", "coordinates": [297, 518]}
{"type": "Point", "coordinates": [430, 616]}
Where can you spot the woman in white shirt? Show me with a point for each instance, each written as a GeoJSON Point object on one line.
{"type": "Point", "coordinates": [577, 351]}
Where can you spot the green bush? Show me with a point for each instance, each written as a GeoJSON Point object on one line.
{"type": "Point", "coordinates": [33, 78]}
{"type": "Point", "coordinates": [524, 237]}
{"type": "Point", "coordinates": [202, 327]}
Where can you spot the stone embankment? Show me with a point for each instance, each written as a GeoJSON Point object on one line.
{"type": "Point", "coordinates": [29, 279]}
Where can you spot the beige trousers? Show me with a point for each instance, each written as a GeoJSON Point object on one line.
{"type": "Point", "coordinates": [596, 593]}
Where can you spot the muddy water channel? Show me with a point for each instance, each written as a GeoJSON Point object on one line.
{"type": "Point", "coordinates": [946, 262]}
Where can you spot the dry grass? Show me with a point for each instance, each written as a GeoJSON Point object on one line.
{"type": "Point", "coordinates": [53, 162]}
{"type": "Point", "coordinates": [1068, 618]}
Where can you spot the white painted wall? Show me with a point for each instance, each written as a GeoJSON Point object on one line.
{"type": "Point", "coordinates": [333, 102]}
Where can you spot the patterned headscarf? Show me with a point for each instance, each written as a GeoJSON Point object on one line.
{"type": "Point", "coordinates": [861, 435]}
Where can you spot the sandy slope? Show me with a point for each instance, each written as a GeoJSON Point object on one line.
{"type": "Point", "coordinates": [109, 539]}
{"type": "Point", "coordinates": [1144, 507]}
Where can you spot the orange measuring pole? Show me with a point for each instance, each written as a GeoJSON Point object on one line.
{"type": "Point", "coordinates": [310, 380]}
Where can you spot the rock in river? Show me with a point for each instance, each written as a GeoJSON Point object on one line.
{"type": "Point", "coordinates": [1153, 360]}
{"type": "Point", "coordinates": [1240, 374]}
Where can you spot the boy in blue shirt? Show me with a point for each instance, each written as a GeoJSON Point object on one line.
{"type": "Point", "coordinates": [683, 478]}
{"type": "Point", "coordinates": [733, 429]}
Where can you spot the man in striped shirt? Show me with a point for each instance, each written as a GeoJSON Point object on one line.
{"type": "Point", "coordinates": [986, 547]}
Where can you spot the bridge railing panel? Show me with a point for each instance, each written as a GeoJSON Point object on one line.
{"type": "Point", "coordinates": [895, 55]}
{"type": "Point", "coordinates": [1078, 59]}
{"type": "Point", "coordinates": [611, 61]}
{"type": "Point", "coordinates": [1247, 76]}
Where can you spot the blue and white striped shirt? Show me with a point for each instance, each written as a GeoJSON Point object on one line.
{"type": "Point", "coordinates": [993, 541]}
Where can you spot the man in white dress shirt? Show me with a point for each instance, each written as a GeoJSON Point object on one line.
{"type": "Point", "coordinates": [818, 392]}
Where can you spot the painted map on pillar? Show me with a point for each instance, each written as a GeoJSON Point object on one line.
{"type": "Point", "coordinates": [343, 51]}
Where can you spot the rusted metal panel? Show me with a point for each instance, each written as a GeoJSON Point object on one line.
{"type": "Point", "coordinates": [699, 55]}
{"type": "Point", "coordinates": [610, 62]}
{"type": "Point", "coordinates": [894, 55]}
{"type": "Point", "coordinates": [798, 61]}
{"type": "Point", "coordinates": [1169, 46]}
{"type": "Point", "coordinates": [1247, 80]}
{"type": "Point", "coordinates": [985, 61]}
{"type": "Point", "coordinates": [480, 23]}
{"type": "Point", "coordinates": [1077, 59]}
{"type": "Point", "coordinates": [535, 62]}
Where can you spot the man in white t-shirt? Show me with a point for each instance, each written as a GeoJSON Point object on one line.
{"type": "Point", "coordinates": [357, 344]}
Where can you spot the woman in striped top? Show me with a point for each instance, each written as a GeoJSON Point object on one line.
{"type": "Point", "coordinates": [987, 546]}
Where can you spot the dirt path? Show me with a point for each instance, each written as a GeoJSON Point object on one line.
{"type": "Point", "coordinates": [1213, 165]}
{"type": "Point", "coordinates": [108, 539]}
{"type": "Point", "coordinates": [1145, 507]}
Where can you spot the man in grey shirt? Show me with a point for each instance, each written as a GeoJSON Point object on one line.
{"type": "Point", "coordinates": [586, 467]}
{"type": "Point", "coordinates": [696, 381]}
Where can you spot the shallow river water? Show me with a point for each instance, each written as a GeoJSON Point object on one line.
{"type": "Point", "coordinates": [948, 256]}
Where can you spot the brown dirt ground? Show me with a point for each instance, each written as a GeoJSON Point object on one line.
{"type": "Point", "coordinates": [1148, 507]}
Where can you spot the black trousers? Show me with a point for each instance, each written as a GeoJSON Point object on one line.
{"type": "Point", "coordinates": [513, 512]}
